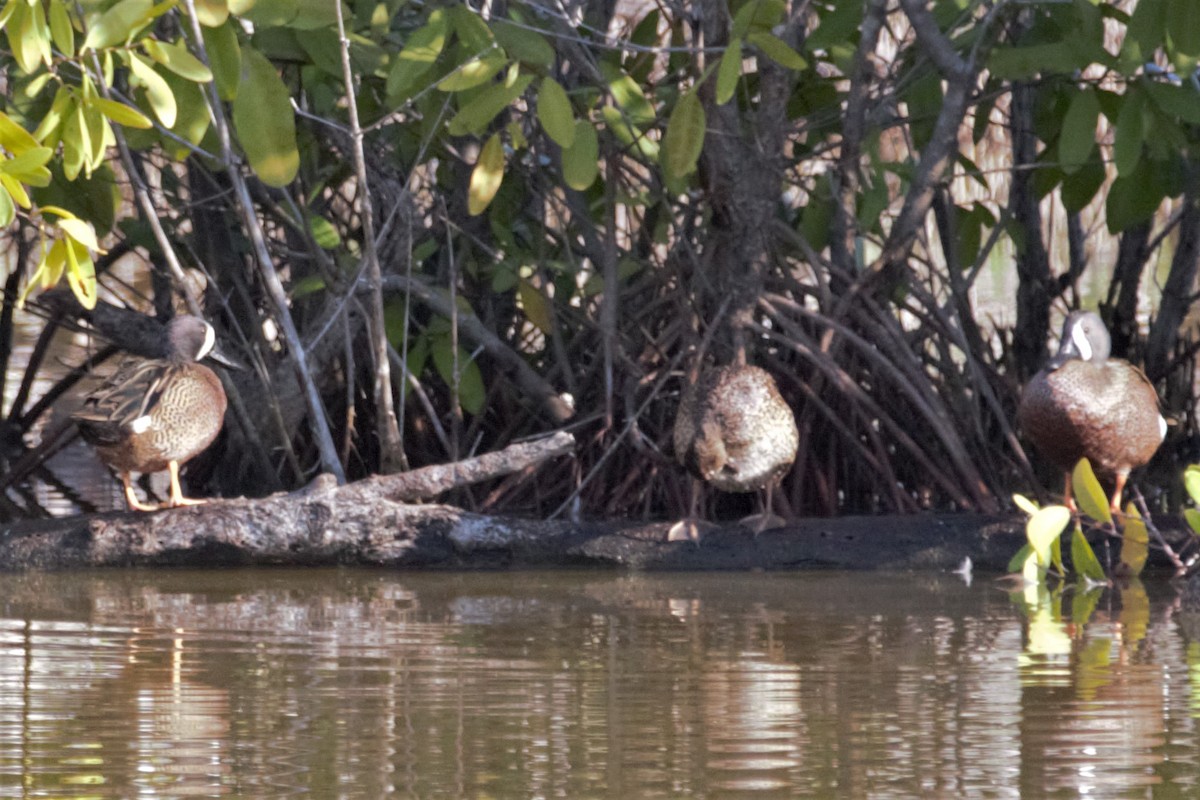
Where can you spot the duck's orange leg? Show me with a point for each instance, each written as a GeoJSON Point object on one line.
{"type": "Point", "coordinates": [177, 498]}
{"type": "Point", "coordinates": [1118, 490]}
{"type": "Point", "coordinates": [131, 497]}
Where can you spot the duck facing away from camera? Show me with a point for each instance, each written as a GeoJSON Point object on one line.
{"type": "Point", "coordinates": [156, 414]}
{"type": "Point", "coordinates": [1085, 404]}
{"type": "Point", "coordinates": [734, 431]}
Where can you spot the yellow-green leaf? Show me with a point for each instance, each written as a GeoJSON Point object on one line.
{"type": "Point", "coordinates": [49, 130]}
{"type": "Point", "coordinates": [729, 71]}
{"type": "Point", "coordinates": [1025, 504]}
{"type": "Point", "coordinates": [8, 211]}
{"type": "Point", "coordinates": [1088, 494]}
{"type": "Point", "coordinates": [53, 262]}
{"type": "Point", "coordinates": [1032, 569]}
{"type": "Point", "coordinates": [212, 13]}
{"type": "Point", "coordinates": [554, 112]}
{"type": "Point", "coordinates": [161, 98]}
{"type": "Point", "coordinates": [536, 306]}
{"type": "Point", "coordinates": [1135, 541]}
{"type": "Point", "coordinates": [79, 230]}
{"type": "Point", "coordinates": [61, 30]}
{"type": "Point", "coordinates": [487, 175]}
{"type": "Point", "coordinates": [777, 50]}
{"type": "Point", "coordinates": [1191, 482]}
{"type": "Point", "coordinates": [1084, 558]}
{"type": "Point", "coordinates": [75, 144]}
{"type": "Point", "coordinates": [176, 57]}
{"type": "Point", "coordinates": [523, 44]}
{"type": "Point", "coordinates": [24, 35]}
{"type": "Point", "coordinates": [16, 191]}
{"type": "Point", "coordinates": [629, 135]}
{"type": "Point", "coordinates": [81, 273]}
{"type": "Point", "coordinates": [117, 24]}
{"type": "Point", "coordinates": [1193, 519]}
{"type": "Point", "coordinates": [475, 72]}
{"type": "Point", "coordinates": [628, 94]}
{"type": "Point", "coordinates": [30, 162]}
{"type": "Point", "coordinates": [581, 161]}
{"type": "Point", "coordinates": [265, 123]}
{"type": "Point", "coordinates": [13, 137]}
{"type": "Point", "coordinates": [1044, 528]}
{"type": "Point", "coordinates": [684, 138]}
{"type": "Point", "coordinates": [121, 114]}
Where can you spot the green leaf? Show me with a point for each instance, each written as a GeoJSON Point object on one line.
{"type": "Point", "coordinates": [522, 44]}
{"type": "Point", "coordinates": [30, 164]}
{"type": "Point", "coordinates": [1135, 541]}
{"type": "Point", "coordinates": [1078, 137]}
{"type": "Point", "coordinates": [628, 135]}
{"type": "Point", "coordinates": [487, 175]}
{"type": "Point", "coordinates": [536, 306]}
{"type": "Point", "coordinates": [684, 138]}
{"type": "Point", "coordinates": [1127, 143]}
{"type": "Point", "coordinates": [554, 112]}
{"type": "Point", "coordinates": [474, 72]}
{"type": "Point", "coordinates": [777, 50]}
{"type": "Point", "coordinates": [1025, 504]}
{"type": "Point", "coordinates": [470, 380]}
{"type": "Point", "coordinates": [1017, 562]}
{"type": "Point", "coordinates": [1044, 528]}
{"type": "Point", "coordinates": [80, 231]}
{"type": "Point", "coordinates": [581, 161]}
{"type": "Point", "coordinates": [1091, 498]}
{"type": "Point", "coordinates": [176, 57]}
{"type": "Point", "coordinates": [1183, 26]}
{"type": "Point", "coordinates": [74, 145]}
{"type": "Point", "coordinates": [323, 232]}
{"type": "Point", "coordinates": [81, 273]}
{"type": "Point", "coordinates": [61, 30]}
{"type": "Point", "coordinates": [118, 23]}
{"type": "Point", "coordinates": [1079, 188]}
{"type": "Point", "coordinates": [265, 123]}
{"type": "Point", "coordinates": [120, 113]}
{"type": "Point", "coordinates": [475, 115]}
{"type": "Point", "coordinates": [1018, 63]}
{"type": "Point", "coordinates": [212, 13]}
{"type": "Point", "coordinates": [8, 211]}
{"type": "Point", "coordinates": [1032, 569]}
{"type": "Point", "coordinates": [14, 138]}
{"type": "Point", "coordinates": [161, 98]}
{"type": "Point", "coordinates": [225, 58]}
{"type": "Point", "coordinates": [758, 15]}
{"type": "Point", "coordinates": [1084, 558]}
{"type": "Point", "coordinates": [1191, 482]}
{"type": "Point", "coordinates": [728, 72]}
{"type": "Point", "coordinates": [15, 190]}
{"type": "Point", "coordinates": [1193, 519]}
{"type": "Point", "coordinates": [628, 95]}
{"type": "Point", "coordinates": [1135, 197]}
{"type": "Point", "coordinates": [414, 61]}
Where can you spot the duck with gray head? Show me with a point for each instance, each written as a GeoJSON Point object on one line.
{"type": "Point", "coordinates": [1085, 404]}
{"type": "Point", "coordinates": [156, 414]}
{"type": "Point", "coordinates": [736, 432]}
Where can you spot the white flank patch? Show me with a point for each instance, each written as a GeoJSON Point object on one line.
{"type": "Point", "coordinates": [1081, 343]}
{"type": "Point", "coordinates": [141, 424]}
{"type": "Point", "coordinates": [1162, 428]}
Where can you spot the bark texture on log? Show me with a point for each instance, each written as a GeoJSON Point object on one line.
{"type": "Point", "coordinates": [375, 522]}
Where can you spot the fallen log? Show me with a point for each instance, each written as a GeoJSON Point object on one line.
{"type": "Point", "coordinates": [380, 521]}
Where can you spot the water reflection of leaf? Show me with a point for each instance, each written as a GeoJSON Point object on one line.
{"type": "Point", "coordinates": [1083, 604]}
{"type": "Point", "coordinates": [1135, 613]}
{"type": "Point", "coordinates": [1094, 668]}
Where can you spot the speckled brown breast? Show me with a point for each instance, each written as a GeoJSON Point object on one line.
{"type": "Point", "coordinates": [734, 430]}
{"type": "Point", "coordinates": [185, 418]}
{"type": "Point", "coordinates": [1106, 412]}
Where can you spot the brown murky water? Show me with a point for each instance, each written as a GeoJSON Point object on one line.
{"type": "Point", "coordinates": [348, 683]}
